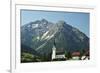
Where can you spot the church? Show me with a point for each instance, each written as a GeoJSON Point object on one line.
{"type": "Point", "coordinates": [57, 53]}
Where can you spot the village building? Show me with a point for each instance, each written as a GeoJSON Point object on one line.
{"type": "Point", "coordinates": [76, 55]}
{"type": "Point", "coordinates": [58, 53]}
{"type": "Point", "coordinates": [85, 56]}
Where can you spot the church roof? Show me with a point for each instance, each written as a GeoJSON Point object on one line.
{"type": "Point", "coordinates": [60, 51]}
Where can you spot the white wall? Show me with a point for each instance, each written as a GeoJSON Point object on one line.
{"type": "Point", "coordinates": [5, 36]}
{"type": "Point", "coordinates": [90, 2]}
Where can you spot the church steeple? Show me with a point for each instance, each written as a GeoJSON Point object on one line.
{"type": "Point", "coordinates": [54, 51]}
{"type": "Point", "coordinates": [57, 53]}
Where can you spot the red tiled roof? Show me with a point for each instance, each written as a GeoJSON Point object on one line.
{"type": "Point", "coordinates": [75, 53]}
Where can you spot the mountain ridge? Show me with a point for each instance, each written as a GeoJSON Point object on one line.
{"type": "Point", "coordinates": [42, 38]}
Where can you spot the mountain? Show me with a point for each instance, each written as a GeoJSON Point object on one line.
{"type": "Point", "coordinates": [41, 35]}
{"type": "Point", "coordinates": [27, 49]}
{"type": "Point", "coordinates": [31, 32]}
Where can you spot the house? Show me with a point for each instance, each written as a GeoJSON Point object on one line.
{"type": "Point", "coordinates": [57, 53]}
{"type": "Point", "coordinates": [85, 56]}
{"type": "Point", "coordinates": [75, 55]}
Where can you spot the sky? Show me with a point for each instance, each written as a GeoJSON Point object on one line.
{"type": "Point", "coordinates": [76, 19]}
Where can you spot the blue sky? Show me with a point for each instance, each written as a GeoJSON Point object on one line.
{"type": "Point", "coordinates": [76, 19]}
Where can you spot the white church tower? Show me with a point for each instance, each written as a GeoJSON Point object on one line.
{"type": "Point", "coordinates": [53, 52]}
{"type": "Point", "coordinates": [57, 54]}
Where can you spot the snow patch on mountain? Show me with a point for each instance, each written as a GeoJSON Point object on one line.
{"type": "Point", "coordinates": [35, 25]}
